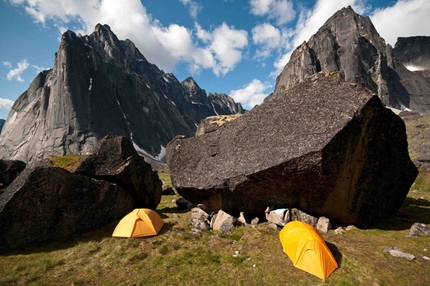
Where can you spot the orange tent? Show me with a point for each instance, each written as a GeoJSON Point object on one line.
{"type": "Point", "coordinates": [307, 249]}
{"type": "Point", "coordinates": [138, 223]}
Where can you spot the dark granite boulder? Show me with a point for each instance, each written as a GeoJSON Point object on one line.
{"type": "Point", "coordinates": [115, 160]}
{"type": "Point", "coordinates": [43, 204]}
{"type": "Point", "coordinates": [325, 146]}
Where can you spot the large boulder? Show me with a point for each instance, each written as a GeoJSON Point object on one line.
{"type": "Point", "coordinates": [115, 160]}
{"type": "Point", "coordinates": [325, 146]}
{"type": "Point", "coordinates": [43, 204]}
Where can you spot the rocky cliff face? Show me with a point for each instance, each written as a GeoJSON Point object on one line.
{"type": "Point", "coordinates": [100, 85]}
{"type": "Point", "coordinates": [349, 43]}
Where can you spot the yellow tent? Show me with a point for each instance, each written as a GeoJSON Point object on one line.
{"type": "Point", "coordinates": [307, 249]}
{"type": "Point", "coordinates": [138, 223]}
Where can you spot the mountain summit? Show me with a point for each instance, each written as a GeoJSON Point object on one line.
{"type": "Point", "coordinates": [350, 44]}
{"type": "Point", "coordinates": [102, 85]}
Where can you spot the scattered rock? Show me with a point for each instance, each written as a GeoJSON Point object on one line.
{"type": "Point", "coordinates": [296, 214]}
{"type": "Point", "coordinates": [339, 230]}
{"type": "Point", "coordinates": [398, 253]}
{"type": "Point", "coordinates": [223, 221]}
{"type": "Point", "coordinates": [255, 221]}
{"type": "Point", "coordinates": [419, 229]}
{"type": "Point", "coordinates": [199, 219]}
{"type": "Point", "coordinates": [183, 204]}
{"type": "Point", "coordinates": [323, 224]}
{"type": "Point", "coordinates": [168, 192]}
{"type": "Point", "coordinates": [426, 258]}
{"type": "Point", "coordinates": [242, 219]}
{"type": "Point", "coordinates": [277, 216]}
{"type": "Point", "coordinates": [350, 227]}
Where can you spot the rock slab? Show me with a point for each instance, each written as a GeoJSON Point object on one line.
{"type": "Point", "coordinates": [115, 160]}
{"type": "Point", "coordinates": [325, 146]}
{"type": "Point", "coordinates": [43, 204]}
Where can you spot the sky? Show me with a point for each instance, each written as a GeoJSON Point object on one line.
{"type": "Point", "coordinates": [237, 47]}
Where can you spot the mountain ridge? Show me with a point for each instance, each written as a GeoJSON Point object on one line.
{"type": "Point", "coordinates": [100, 85]}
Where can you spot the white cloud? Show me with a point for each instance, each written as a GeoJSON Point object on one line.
{"type": "Point", "coordinates": [193, 7]}
{"type": "Point", "coordinates": [251, 94]}
{"type": "Point", "coordinates": [282, 11]}
{"type": "Point", "coordinates": [7, 64]}
{"type": "Point", "coordinates": [5, 103]}
{"type": "Point", "coordinates": [404, 19]}
{"type": "Point", "coordinates": [15, 74]}
{"type": "Point", "coordinates": [268, 38]}
{"type": "Point", "coordinates": [223, 48]}
{"type": "Point", "coordinates": [226, 45]}
{"type": "Point", "coordinates": [219, 49]}
{"type": "Point", "coordinates": [39, 69]}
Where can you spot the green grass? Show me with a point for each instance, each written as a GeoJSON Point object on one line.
{"type": "Point", "coordinates": [175, 257]}
{"type": "Point", "coordinates": [68, 162]}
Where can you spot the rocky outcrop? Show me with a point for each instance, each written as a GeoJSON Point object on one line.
{"type": "Point", "coordinates": [115, 160]}
{"type": "Point", "coordinates": [101, 85]}
{"type": "Point", "coordinates": [62, 203]}
{"type": "Point", "coordinates": [350, 44]}
{"type": "Point", "coordinates": [325, 146]}
{"type": "Point", "coordinates": [9, 170]}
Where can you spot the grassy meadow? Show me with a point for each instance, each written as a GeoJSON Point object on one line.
{"type": "Point", "coordinates": [178, 257]}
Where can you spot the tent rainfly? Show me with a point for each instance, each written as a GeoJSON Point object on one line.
{"type": "Point", "coordinates": [138, 223]}
{"type": "Point", "coordinates": [307, 249]}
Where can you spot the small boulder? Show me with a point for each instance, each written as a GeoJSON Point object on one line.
{"type": "Point", "coordinates": [183, 204]}
{"type": "Point", "coordinates": [223, 221]}
{"type": "Point", "coordinates": [323, 224]}
{"type": "Point", "coordinates": [199, 219]}
{"type": "Point", "coordinates": [297, 214]}
{"type": "Point", "coordinates": [419, 229]}
{"type": "Point", "coordinates": [277, 216]}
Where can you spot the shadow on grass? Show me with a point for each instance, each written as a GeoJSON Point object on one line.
{"type": "Point", "coordinates": [336, 253]}
{"type": "Point", "coordinates": [412, 211]}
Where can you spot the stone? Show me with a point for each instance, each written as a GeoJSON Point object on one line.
{"type": "Point", "coordinates": [398, 253]}
{"type": "Point", "coordinates": [114, 159]}
{"type": "Point", "coordinates": [199, 219]}
{"type": "Point", "coordinates": [297, 214]}
{"type": "Point", "coordinates": [323, 224]}
{"type": "Point", "coordinates": [277, 216]}
{"type": "Point", "coordinates": [63, 203]}
{"type": "Point", "coordinates": [9, 170]}
{"type": "Point", "coordinates": [183, 204]}
{"type": "Point", "coordinates": [350, 227]}
{"type": "Point", "coordinates": [325, 146]}
{"type": "Point", "coordinates": [339, 230]}
{"type": "Point", "coordinates": [242, 218]}
{"type": "Point", "coordinates": [419, 229]}
{"type": "Point", "coordinates": [168, 192]}
{"type": "Point", "coordinates": [255, 221]}
{"type": "Point", "coordinates": [223, 222]}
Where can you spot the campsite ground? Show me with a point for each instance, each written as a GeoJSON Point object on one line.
{"type": "Point", "coordinates": [176, 257]}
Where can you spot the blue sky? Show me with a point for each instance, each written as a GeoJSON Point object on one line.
{"type": "Point", "coordinates": [235, 47]}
